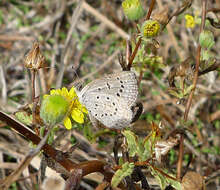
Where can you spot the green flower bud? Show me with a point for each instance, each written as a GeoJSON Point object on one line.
{"type": "Point", "coordinates": [133, 9]}
{"type": "Point", "coordinates": [53, 109]}
{"type": "Point", "coordinates": [206, 39]}
{"type": "Point", "coordinates": [150, 28]}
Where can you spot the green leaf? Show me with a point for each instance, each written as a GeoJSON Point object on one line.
{"type": "Point", "coordinates": [127, 169]}
{"type": "Point", "coordinates": [149, 144]}
{"type": "Point", "coordinates": [87, 132]}
{"type": "Point", "coordinates": [175, 184]}
{"type": "Point", "coordinates": [133, 145]}
{"type": "Point", "coordinates": [165, 181]}
{"type": "Point", "coordinates": [174, 93]}
{"type": "Point", "coordinates": [160, 178]}
{"type": "Point", "coordinates": [24, 118]}
{"type": "Point", "coordinates": [147, 149]}
{"type": "Point", "coordinates": [188, 90]}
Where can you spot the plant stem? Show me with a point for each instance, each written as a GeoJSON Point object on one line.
{"type": "Point", "coordinates": [196, 73]}
{"type": "Point", "coordinates": [139, 41]}
{"type": "Point", "coordinates": [33, 76]}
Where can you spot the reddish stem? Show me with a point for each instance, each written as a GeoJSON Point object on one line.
{"type": "Point", "coordinates": [139, 41]}
{"type": "Point", "coordinates": [196, 73]}
{"type": "Point", "coordinates": [33, 76]}
{"type": "Point", "coordinates": [180, 159]}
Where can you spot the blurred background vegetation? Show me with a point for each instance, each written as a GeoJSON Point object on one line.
{"type": "Point", "coordinates": [82, 41]}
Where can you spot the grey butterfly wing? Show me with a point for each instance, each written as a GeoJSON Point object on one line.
{"type": "Point", "coordinates": [112, 112]}
{"type": "Point", "coordinates": [122, 84]}
{"type": "Point", "coordinates": [110, 99]}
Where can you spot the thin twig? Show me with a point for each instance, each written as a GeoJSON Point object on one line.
{"type": "Point", "coordinates": [109, 60]}
{"type": "Point", "coordinates": [196, 73]}
{"type": "Point", "coordinates": [32, 153]}
{"type": "Point", "coordinates": [33, 76]}
{"type": "Point", "coordinates": [15, 37]}
{"type": "Point", "coordinates": [4, 84]}
{"type": "Point", "coordinates": [150, 9]}
{"type": "Point", "coordinates": [75, 17]}
{"type": "Point", "coordinates": [105, 20]}
{"type": "Point", "coordinates": [180, 158]}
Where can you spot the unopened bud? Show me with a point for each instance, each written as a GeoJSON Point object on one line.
{"type": "Point", "coordinates": [34, 58]}
{"type": "Point", "coordinates": [206, 39]}
{"type": "Point", "coordinates": [150, 28]}
{"type": "Point", "coordinates": [133, 9]}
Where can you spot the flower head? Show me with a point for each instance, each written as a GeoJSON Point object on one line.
{"type": "Point", "coordinates": [150, 28]}
{"type": "Point", "coordinates": [61, 105]}
{"type": "Point", "coordinates": [133, 9]}
{"type": "Point", "coordinates": [190, 21]}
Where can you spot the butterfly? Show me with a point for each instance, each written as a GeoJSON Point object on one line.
{"type": "Point", "coordinates": [111, 99]}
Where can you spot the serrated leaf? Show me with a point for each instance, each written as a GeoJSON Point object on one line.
{"type": "Point", "coordinates": [187, 91]}
{"type": "Point", "coordinates": [24, 117]}
{"type": "Point", "coordinates": [174, 93]}
{"type": "Point", "coordinates": [133, 145]}
{"type": "Point", "coordinates": [147, 149]}
{"type": "Point", "coordinates": [126, 170]}
{"type": "Point", "coordinates": [175, 184]}
{"type": "Point", "coordinates": [165, 181]}
{"type": "Point", "coordinates": [160, 178]}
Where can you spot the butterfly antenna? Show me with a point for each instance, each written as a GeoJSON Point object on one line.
{"type": "Point", "coordinates": [77, 81]}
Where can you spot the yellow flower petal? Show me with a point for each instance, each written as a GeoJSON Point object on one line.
{"type": "Point", "coordinates": [84, 109]}
{"type": "Point", "coordinates": [46, 95]}
{"type": "Point", "coordinates": [64, 91]}
{"type": "Point", "coordinates": [72, 92]}
{"type": "Point", "coordinates": [190, 21]}
{"type": "Point", "coordinates": [67, 123]}
{"type": "Point", "coordinates": [52, 92]}
{"type": "Point", "coordinates": [77, 115]}
{"type": "Point", "coordinates": [75, 108]}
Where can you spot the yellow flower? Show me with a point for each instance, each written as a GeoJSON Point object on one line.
{"type": "Point", "coordinates": [75, 108]}
{"type": "Point", "coordinates": [190, 21]}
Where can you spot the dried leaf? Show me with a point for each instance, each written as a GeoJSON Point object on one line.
{"type": "Point", "coordinates": [162, 147]}
{"type": "Point", "coordinates": [192, 181]}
